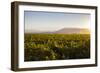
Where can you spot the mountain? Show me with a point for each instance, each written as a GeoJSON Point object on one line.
{"type": "Point", "coordinates": [73, 31]}
{"type": "Point", "coordinates": [61, 31]}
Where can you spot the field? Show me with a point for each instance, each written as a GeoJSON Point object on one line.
{"type": "Point", "coordinates": [39, 47]}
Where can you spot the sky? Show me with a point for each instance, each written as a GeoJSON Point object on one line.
{"type": "Point", "coordinates": [52, 21]}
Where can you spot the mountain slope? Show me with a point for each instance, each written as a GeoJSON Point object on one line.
{"type": "Point", "coordinates": [73, 31]}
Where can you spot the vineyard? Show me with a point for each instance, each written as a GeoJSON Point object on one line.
{"type": "Point", "coordinates": [39, 47]}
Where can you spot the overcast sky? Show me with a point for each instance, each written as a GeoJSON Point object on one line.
{"type": "Point", "coordinates": [51, 21]}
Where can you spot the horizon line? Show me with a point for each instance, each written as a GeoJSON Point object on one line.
{"type": "Point", "coordinates": [57, 29]}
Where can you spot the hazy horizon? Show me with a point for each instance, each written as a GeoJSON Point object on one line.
{"type": "Point", "coordinates": [53, 21]}
{"type": "Point", "coordinates": [33, 30]}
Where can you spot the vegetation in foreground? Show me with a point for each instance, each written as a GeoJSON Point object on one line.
{"type": "Point", "coordinates": [40, 47]}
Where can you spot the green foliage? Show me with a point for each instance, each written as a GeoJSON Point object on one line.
{"type": "Point", "coordinates": [56, 46]}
